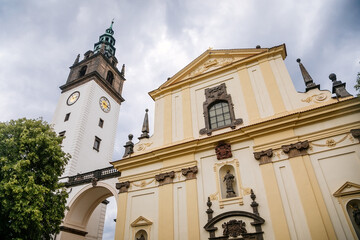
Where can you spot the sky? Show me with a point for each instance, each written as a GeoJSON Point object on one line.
{"type": "Point", "coordinates": [40, 39]}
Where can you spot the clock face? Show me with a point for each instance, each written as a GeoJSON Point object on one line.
{"type": "Point", "coordinates": [104, 104]}
{"type": "Point", "coordinates": [73, 98]}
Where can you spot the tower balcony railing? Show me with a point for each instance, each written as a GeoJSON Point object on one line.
{"type": "Point", "coordinates": [94, 176]}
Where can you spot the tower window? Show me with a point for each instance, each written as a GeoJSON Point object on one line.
{"type": "Point", "coordinates": [62, 134]}
{"type": "Point", "coordinates": [219, 115]}
{"type": "Point", "coordinates": [82, 71]}
{"type": "Point", "coordinates": [97, 144]}
{"type": "Point", "coordinates": [110, 77]}
{"type": "Point", "coordinates": [101, 123]}
{"type": "Point", "coordinates": [67, 116]}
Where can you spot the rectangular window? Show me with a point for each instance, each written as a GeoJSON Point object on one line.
{"type": "Point", "coordinates": [101, 123]}
{"type": "Point", "coordinates": [67, 116]}
{"type": "Point", "coordinates": [62, 134]}
{"type": "Point", "coordinates": [97, 143]}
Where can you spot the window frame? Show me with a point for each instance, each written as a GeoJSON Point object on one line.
{"type": "Point", "coordinates": [97, 142]}
{"type": "Point", "coordinates": [213, 96]}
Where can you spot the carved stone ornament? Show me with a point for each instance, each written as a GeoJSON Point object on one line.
{"type": "Point", "coordinates": [190, 173]}
{"type": "Point", "coordinates": [264, 156]}
{"type": "Point", "coordinates": [355, 133]}
{"type": "Point", "coordinates": [213, 95]}
{"type": "Point", "coordinates": [123, 186]}
{"type": "Point", "coordinates": [296, 149]}
{"type": "Point", "coordinates": [223, 151]}
{"type": "Point", "coordinates": [234, 228]}
{"type": "Point", "coordinates": [165, 178]}
{"type": "Point", "coordinates": [94, 182]}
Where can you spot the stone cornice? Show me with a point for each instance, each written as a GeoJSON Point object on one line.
{"type": "Point", "coordinates": [93, 76]}
{"type": "Point", "coordinates": [250, 132]}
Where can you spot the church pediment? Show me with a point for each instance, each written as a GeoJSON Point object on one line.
{"type": "Point", "coordinates": [347, 188]}
{"type": "Point", "coordinates": [141, 221]}
{"type": "Point", "coordinates": [212, 60]}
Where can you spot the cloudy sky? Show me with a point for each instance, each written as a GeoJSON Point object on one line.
{"type": "Point", "coordinates": [39, 40]}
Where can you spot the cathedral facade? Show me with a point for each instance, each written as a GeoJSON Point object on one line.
{"type": "Point", "coordinates": [236, 151]}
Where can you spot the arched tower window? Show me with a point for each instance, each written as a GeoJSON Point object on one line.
{"type": "Point", "coordinates": [219, 114]}
{"type": "Point", "coordinates": [110, 77]}
{"type": "Point", "coordinates": [218, 110]}
{"type": "Point", "coordinates": [82, 71]}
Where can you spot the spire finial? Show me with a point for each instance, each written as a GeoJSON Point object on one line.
{"type": "Point", "coordinates": [309, 83]}
{"type": "Point", "coordinates": [112, 22]}
{"type": "Point", "coordinates": [145, 127]}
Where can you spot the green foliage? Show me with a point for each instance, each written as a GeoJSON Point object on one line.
{"type": "Point", "coordinates": [32, 201]}
{"type": "Point", "coordinates": [357, 85]}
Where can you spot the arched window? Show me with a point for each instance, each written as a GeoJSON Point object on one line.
{"type": "Point", "coordinates": [110, 77]}
{"type": "Point", "coordinates": [219, 114]}
{"type": "Point", "coordinates": [82, 71]}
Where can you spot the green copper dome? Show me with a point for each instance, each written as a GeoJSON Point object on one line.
{"type": "Point", "coordinates": [107, 42]}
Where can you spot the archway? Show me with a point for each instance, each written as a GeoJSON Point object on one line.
{"type": "Point", "coordinates": [85, 208]}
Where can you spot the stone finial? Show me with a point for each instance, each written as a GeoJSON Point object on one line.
{"type": "Point", "coordinates": [77, 59]}
{"type": "Point", "coordinates": [338, 87]}
{"type": "Point", "coordinates": [145, 127]}
{"type": "Point", "coordinates": [209, 211]}
{"type": "Point", "coordinates": [123, 70]}
{"type": "Point", "coordinates": [258, 46]}
{"type": "Point", "coordinates": [296, 149]}
{"type": "Point", "coordinates": [264, 156]}
{"type": "Point", "coordinates": [129, 146]}
{"type": "Point", "coordinates": [309, 83]}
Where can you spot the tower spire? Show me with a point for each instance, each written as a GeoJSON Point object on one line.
{"type": "Point", "coordinates": [145, 127]}
{"type": "Point", "coordinates": [309, 83]}
{"type": "Point", "coordinates": [107, 42]}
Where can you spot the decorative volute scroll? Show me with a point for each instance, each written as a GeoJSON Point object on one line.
{"type": "Point", "coordinates": [264, 156]}
{"type": "Point", "coordinates": [123, 186]}
{"type": "Point", "coordinates": [165, 178]}
{"type": "Point", "coordinates": [223, 151]}
{"type": "Point", "coordinates": [296, 149]}
{"type": "Point", "coordinates": [235, 227]}
{"type": "Point", "coordinates": [190, 173]}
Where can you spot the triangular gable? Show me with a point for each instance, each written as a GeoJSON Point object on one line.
{"type": "Point", "coordinates": [347, 188]}
{"type": "Point", "coordinates": [213, 60]}
{"type": "Point", "coordinates": [141, 221]}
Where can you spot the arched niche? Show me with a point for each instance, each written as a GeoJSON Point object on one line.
{"type": "Point", "coordinates": [228, 182]}
{"type": "Point", "coordinates": [141, 235]}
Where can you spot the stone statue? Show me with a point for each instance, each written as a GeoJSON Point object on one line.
{"type": "Point", "coordinates": [229, 179]}
{"type": "Point", "coordinates": [356, 214]}
{"type": "Point", "coordinates": [141, 237]}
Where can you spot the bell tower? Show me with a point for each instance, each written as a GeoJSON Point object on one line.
{"type": "Point", "coordinates": [88, 108]}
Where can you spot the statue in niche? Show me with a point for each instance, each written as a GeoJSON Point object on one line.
{"type": "Point", "coordinates": [229, 180]}
{"type": "Point", "coordinates": [356, 214]}
{"type": "Point", "coordinates": [141, 237]}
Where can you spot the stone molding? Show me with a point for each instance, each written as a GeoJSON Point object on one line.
{"type": "Point", "coordinates": [165, 178]}
{"type": "Point", "coordinates": [264, 156]}
{"type": "Point", "coordinates": [190, 173]}
{"type": "Point", "coordinates": [296, 149]}
{"type": "Point", "coordinates": [73, 231]}
{"type": "Point", "coordinates": [223, 151]}
{"type": "Point", "coordinates": [123, 186]}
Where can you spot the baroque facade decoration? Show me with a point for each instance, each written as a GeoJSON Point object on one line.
{"type": "Point", "coordinates": [228, 125]}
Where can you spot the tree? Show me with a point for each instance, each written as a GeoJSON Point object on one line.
{"type": "Point", "coordinates": [357, 85]}
{"type": "Point", "coordinates": [32, 201]}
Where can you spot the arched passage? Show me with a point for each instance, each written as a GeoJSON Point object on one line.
{"type": "Point", "coordinates": [81, 208]}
